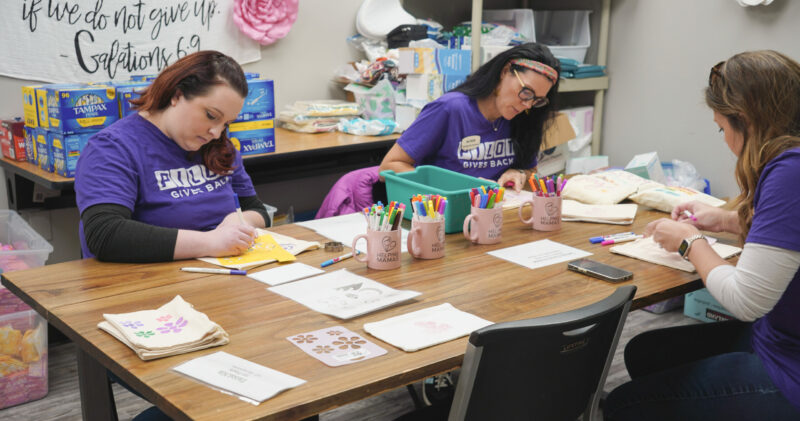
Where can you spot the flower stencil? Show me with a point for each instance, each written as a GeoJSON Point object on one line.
{"type": "Point", "coordinates": [323, 349]}
{"type": "Point", "coordinates": [354, 342]}
{"type": "Point", "coordinates": [171, 327]}
{"type": "Point", "coordinates": [304, 339]}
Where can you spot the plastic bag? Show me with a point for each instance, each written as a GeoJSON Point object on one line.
{"type": "Point", "coordinates": [684, 174]}
{"type": "Point", "coordinates": [374, 127]}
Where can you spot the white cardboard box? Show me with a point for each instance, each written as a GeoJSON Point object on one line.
{"type": "Point", "coordinates": [647, 165]}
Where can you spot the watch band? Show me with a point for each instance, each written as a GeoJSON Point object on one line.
{"type": "Point", "coordinates": [686, 245]}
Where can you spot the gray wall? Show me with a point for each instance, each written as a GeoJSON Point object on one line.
{"type": "Point", "coordinates": [660, 54]}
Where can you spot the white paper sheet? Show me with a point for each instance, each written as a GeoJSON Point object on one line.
{"type": "Point", "coordinates": [345, 228]}
{"type": "Point", "coordinates": [427, 327]}
{"type": "Point", "coordinates": [512, 199]}
{"type": "Point", "coordinates": [237, 376]}
{"type": "Point", "coordinates": [539, 254]}
{"type": "Point", "coordinates": [342, 294]}
{"type": "Point", "coordinates": [285, 273]}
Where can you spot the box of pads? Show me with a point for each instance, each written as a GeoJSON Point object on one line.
{"type": "Point", "coordinates": [260, 101]}
{"type": "Point", "coordinates": [253, 137]}
{"type": "Point", "coordinates": [66, 150]}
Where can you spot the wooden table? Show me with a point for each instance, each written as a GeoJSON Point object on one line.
{"type": "Point", "coordinates": [296, 155]}
{"type": "Point", "coordinates": [73, 296]}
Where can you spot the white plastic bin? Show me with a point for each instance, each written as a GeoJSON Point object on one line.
{"type": "Point", "coordinates": [520, 19]}
{"type": "Point", "coordinates": [23, 333]}
{"type": "Point", "coordinates": [565, 32]}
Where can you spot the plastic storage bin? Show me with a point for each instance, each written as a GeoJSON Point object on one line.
{"type": "Point", "coordinates": [429, 179]}
{"type": "Point", "coordinates": [565, 32]}
{"type": "Point", "coordinates": [23, 358]}
{"type": "Point", "coordinates": [23, 333]}
{"type": "Point", "coordinates": [520, 19]}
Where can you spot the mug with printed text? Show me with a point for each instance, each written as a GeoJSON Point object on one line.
{"type": "Point", "coordinates": [426, 239]}
{"type": "Point", "coordinates": [383, 249]}
{"type": "Point", "coordinates": [546, 213]}
{"type": "Point", "coordinates": [484, 226]}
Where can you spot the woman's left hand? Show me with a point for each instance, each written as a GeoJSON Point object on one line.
{"type": "Point", "coordinates": [514, 176]}
{"type": "Point", "coordinates": [668, 233]}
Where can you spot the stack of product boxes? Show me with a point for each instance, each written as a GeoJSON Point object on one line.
{"type": "Point", "coordinates": [59, 120]}
{"type": "Point", "coordinates": [253, 132]}
{"type": "Point", "coordinates": [430, 72]}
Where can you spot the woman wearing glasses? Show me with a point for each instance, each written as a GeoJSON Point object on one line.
{"type": "Point", "coordinates": [491, 126]}
{"type": "Point", "coordinates": [749, 368]}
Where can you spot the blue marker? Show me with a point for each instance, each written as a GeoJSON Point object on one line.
{"type": "Point", "coordinates": [595, 240]}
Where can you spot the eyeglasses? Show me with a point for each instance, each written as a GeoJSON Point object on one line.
{"type": "Point", "coordinates": [527, 94]}
{"type": "Point", "coordinates": [715, 73]}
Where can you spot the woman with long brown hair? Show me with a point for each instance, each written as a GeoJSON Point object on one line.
{"type": "Point", "coordinates": [161, 184]}
{"type": "Point", "coordinates": [747, 368]}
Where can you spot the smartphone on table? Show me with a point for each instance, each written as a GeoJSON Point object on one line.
{"type": "Point", "coordinates": [599, 270]}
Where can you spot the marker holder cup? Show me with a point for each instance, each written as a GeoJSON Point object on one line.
{"type": "Point", "coordinates": [383, 249]}
{"type": "Point", "coordinates": [484, 226]}
{"type": "Point", "coordinates": [426, 239]}
{"type": "Point", "coordinates": [545, 214]}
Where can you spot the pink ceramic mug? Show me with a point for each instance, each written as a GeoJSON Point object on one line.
{"type": "Point", "coordinates": [484, 226]}
{"type": "Point", "coordinates": [383, 249]}
{"type": "Point", "coordinates": [546, 214]}
{"type": "Point", "coordinates": [426, 239]}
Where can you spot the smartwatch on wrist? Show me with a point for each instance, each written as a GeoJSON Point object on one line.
{"type": "Point", "coordinates": [686, 244]}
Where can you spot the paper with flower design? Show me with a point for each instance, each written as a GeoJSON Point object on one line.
{"type": "Point", "coordinates": [174, 328]}
{"type": "Point", "coordinates": [427, 327]}
{"type": "Point", "coordinates": [342, 294]}
{"type": "Point", "coordinates": [269, 247]}
{"type": "Point", "coordinates": [648, 250]}
{"type": "Point", "coordinates": [336, 346]}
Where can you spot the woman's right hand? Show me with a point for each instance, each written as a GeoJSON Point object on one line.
{"type": "Point", "coordinates": [706, 217]}
{"type": "Point", "coordinates": [230, 237]}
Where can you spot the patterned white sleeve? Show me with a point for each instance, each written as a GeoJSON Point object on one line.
{"type": "Point", "coordinates": [751, 289]}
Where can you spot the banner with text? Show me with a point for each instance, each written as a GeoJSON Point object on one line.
{"type": "Point", "coordinates": [100, 40]}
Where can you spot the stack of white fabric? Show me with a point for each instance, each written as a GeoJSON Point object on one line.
{"type": "Point", "coordinates": [174, 328]}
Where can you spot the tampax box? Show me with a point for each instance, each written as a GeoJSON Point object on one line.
{"type": "Point", "coordinates": [446, 61]}
{"type": "Point", "coordinates": [702, 306]}
{"type": "Point", "coordinates": [12, 139]}
{"type": "Point", "coordinates": [30, 144]}
{"type": "Point", "coordinates": [143, 78]}
{"type": "Point", "coordinates": [126, 92]}
{"type": "Point", "coordinates": [29, 105]}
{"type": "Point", "coordinates": [253, 137]}
{"type": "Point", "coordinates": [260, 101]}
{"type": "Point", "coordinates": [41, 107]}
{"type": "Point", "coordinates": [66, 151]}
{"type": "Point", "coordinates": [44, 146]}
{"type": "Point", "coordinates": [82, 108]}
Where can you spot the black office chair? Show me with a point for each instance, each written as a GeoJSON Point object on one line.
{"type": "Point", "coordinates": [548, 368]}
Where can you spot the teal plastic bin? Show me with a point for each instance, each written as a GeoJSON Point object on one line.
{"type": "Point", "coordinates": [429, 179]}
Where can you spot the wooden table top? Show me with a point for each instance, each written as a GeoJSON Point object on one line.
{"type": "Point", "coordinates": [74, 295]}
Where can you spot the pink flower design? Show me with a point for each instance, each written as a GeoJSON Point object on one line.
{"type": "Point", "coordinates": [164, 318]}
{"type": "Point", "coordinates": [265, 21]}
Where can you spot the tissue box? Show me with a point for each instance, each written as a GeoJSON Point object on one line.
{"type": "Point", "coordinates": [260, 101]}
{"type": "Point", "coordinates": [702, 306]}
{"type": "Point", "coordinates": [427, 87]}
{"type": "Point", "coordinates": [434, 60]}
{"type": "Point", "coordinates": [66, 150]}
{"type": "Point", "coordinates": [647, 166]}
{"type": "Point", "coordinates": [253, 137]}
{"type": "Point", "coordinates": [12, 139]}
{"type": "Point", "coordinates": [81, 108]}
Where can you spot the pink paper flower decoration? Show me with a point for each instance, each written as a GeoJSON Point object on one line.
{"type": "Point", "coordinates": [265, 21]}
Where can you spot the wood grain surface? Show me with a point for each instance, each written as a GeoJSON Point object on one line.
{"type": "Point", "coordinates": [74, 296]}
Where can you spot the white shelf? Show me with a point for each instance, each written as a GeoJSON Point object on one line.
{"type": "Point", "coordinates": [588, 84]}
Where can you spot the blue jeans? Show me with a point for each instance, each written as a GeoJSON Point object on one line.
{"type": "Point", "coordinates": [698, 372]}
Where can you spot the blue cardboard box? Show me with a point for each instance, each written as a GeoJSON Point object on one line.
{"type": "Point", "coordinates": [143, 78]}
{"type": "Point", "coordinates": [66, 150]}
{"type": "Point", "coordinates": [29, 105]}
{"type": "Point", "coordinates": [81, 108]}
{"type": "Point", "coordinates": [44, 146]}
{"type": "Point", "coordinates": [260, 101]}
{"type": "Point", "coordinates": [253, 137]}
{"type": "Point", "coordinates": [702, 306]}
{"type": "Point", "coordinates": [30, 144]}
{"type": "Point", "coordinates": [127, 92]}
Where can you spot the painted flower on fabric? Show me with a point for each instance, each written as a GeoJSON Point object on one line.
{"type": "Point", "coordinates": [164, 318]}
{"type": "Point", "coordinates": [265, 21]}
{"type": "Point", "coordinates": [145, 333]}
{"type": "Point", "coordinates": [132, 324]}
{"type": "Point", "coordinates": [173, 327]}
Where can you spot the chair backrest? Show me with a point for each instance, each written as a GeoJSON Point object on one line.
{"type": "Point", "coordinates": [547, 368]}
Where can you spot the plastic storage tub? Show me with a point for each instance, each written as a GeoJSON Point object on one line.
{"type": "Point", "coordinates": [429, 179]}
{"type": "Point", "coordinates": [565, 32]}
{"type": "Point", "coordinates": [23, 333]}
{"type": "Point", "coordinates": [519, 19]}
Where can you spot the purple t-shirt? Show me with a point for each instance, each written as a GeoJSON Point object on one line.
{"type": "Point", "coordinates": [133, 164]}
{"type": "Point", "coordinates": [451, 133]}
{"type": "Point", "coordinates": [776, 222]}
